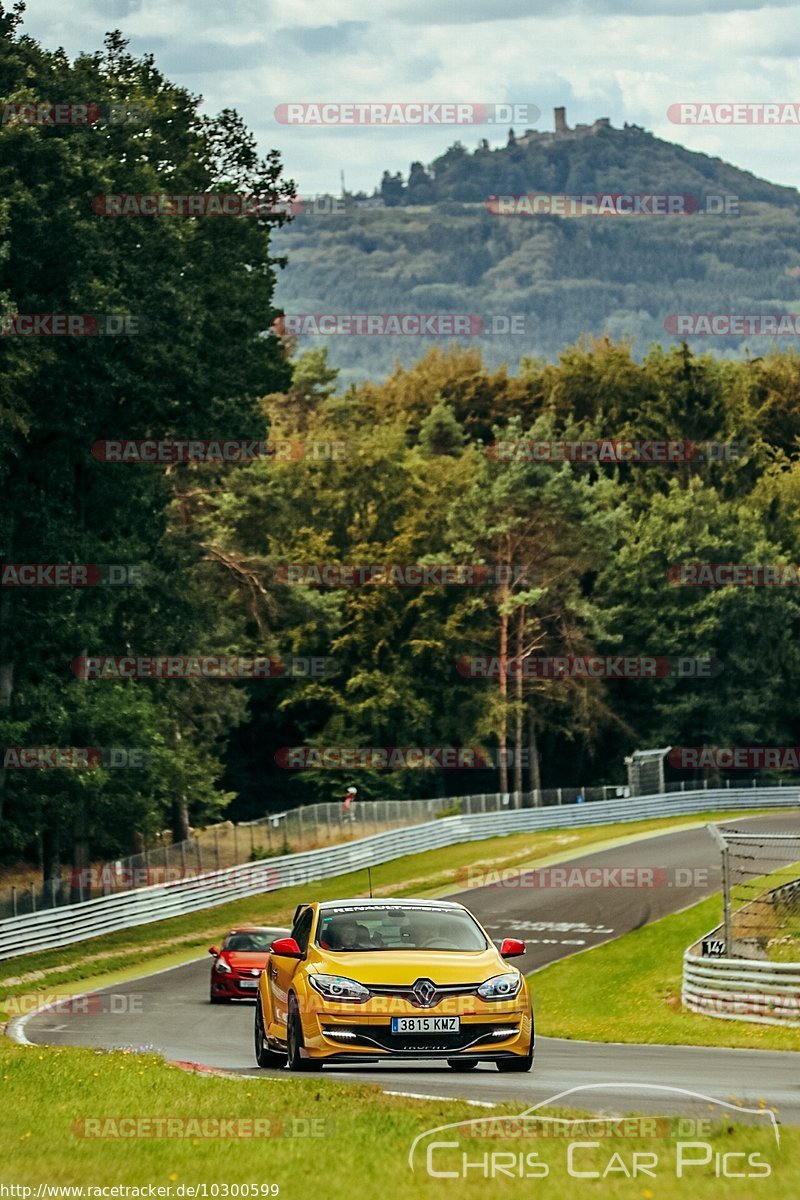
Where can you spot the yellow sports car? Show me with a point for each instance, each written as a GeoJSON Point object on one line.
{"type": "Point", "coordinates": [363, 980]}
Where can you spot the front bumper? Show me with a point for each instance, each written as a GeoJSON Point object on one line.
{"type": "Point", "coordinates": [230, 987]}
{"type": "Point", "coordinates": [502, 1030]}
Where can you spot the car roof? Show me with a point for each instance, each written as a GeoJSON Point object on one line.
{"type": "Point", "coordinates": [248, 929]}
{"type": "Point", "coordinates": [380, 902]}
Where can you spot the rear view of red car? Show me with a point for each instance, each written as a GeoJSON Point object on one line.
{"type": "Point", "coordinates": [237, 966]}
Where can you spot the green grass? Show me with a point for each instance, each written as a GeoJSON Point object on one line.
{"type": "Point", "coordinates": [114, 957]}
{"type": "Point", "coordinates": [776, 926]}
{"type": "Point", "coordinates": [363, 1152]}
{"type": "Point", "coordinates": [629, 990]}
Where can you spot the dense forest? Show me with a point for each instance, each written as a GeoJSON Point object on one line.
{"type": "Point", "coordinates": [399, 471]}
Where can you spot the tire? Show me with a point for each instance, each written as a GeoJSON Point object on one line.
{"type": "Point", "coordinates": [462, 1064]}
{"type": "Point", "coordinates": [265, 1057]}
{"type": "Point", "coordinates": [523, 1063]}
{"type": "Point", "coordinates": [294, 1042]}
{"type": "Point", "coordinates": [218, 999]}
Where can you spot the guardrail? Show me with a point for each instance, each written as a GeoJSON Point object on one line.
{"type": "Point", "coordinates": [62, 926]}
{"type": "Point", "coordinates": [745, 985]}
{"type": "Point", "coordinates": [309, 827]}
{"type": "Point", "coordinates": [743, 989]}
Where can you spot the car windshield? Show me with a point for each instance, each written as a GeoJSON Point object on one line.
{"type": "Point", "coordinates": [396, 928]}
{"type": "Point", "coordinates": [257, 940]}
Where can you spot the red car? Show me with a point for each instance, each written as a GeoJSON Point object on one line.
{"type": "Point", "coordinates": [237, 966]}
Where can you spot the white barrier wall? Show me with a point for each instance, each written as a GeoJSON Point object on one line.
{"type": "Point", "coordinates": [741, 989]}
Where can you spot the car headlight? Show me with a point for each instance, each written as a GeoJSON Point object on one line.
{"type": "Point", "coordinates": [501, 987]}
{"type": "Point", "coordinates": [222, 967]}
{"type": "Point", "coordinates": [337, 987]}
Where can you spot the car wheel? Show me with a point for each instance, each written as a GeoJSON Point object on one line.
{"type": "Point", "coordinates": [462, 1064]}
{"type": "Point", "coordinates": [265, 1057]}
{"type": "Point", "coordinates": [294, 1042]}
{"type": "Point", "coordinates": [212, 999]}
{"type": "Point", "coordinates": [523, 1063]}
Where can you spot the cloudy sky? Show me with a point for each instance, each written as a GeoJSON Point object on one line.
{"type": "Point", "coordinates": [623, 59]}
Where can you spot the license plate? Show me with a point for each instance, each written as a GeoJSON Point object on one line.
{"type": "Point", "coordinates": [248, 983]}
{"type": "Point", "coordinates": [426, 1024]}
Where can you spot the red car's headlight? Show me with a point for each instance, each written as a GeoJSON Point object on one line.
{"type": "Point", "coordinates": [223, 968]}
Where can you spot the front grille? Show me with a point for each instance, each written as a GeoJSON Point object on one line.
{"type": "Point", "coordinates": [381, 1036]}
{"type": "Point", "coordinates": [407, 993]}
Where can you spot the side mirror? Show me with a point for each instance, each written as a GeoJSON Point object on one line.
{"type": "Point", "coordinates": [213, 950]}
{"type": "Point", "coordinates": [287, 947]}
{"type": "Point", "coordinates": [512, 948]}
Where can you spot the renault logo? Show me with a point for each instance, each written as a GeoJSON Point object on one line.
{"type": "Point", "coordinates": [424, 993]}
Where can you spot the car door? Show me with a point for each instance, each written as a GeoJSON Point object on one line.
{"type": "Point", "coordinates": [281, 971]}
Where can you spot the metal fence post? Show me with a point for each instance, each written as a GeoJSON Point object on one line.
{"type": "Point", "coordinates": [14, 899]}
{"type": "Point", "coordinates": [33, 896]}
{"type": "Point", "coordinates": [726, 900]}
{"type": "Point", "coordinates": [559, 795]}
{"type": "Point", "coordinates": [726, 886]}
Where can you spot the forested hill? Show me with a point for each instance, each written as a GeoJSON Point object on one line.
{"type": "Point", "coordinates": [599, 160]}
{"type": "Point", "coordinates": [435, 247]}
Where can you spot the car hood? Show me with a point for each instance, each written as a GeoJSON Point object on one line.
{"type": "Point", "coordinates": [404, 967]}
{"type": "Point", "coordinates": [247, 960]}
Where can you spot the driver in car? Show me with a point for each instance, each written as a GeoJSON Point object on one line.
{"type": "Point", "coordinates": [347, 935]}
{"type": "Point", "coordinates": [427, 931]}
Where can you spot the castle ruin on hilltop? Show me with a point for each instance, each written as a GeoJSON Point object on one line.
{"type": "Point", "coordinates": [562, 130]}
